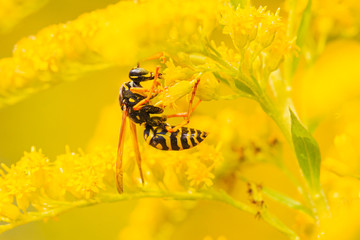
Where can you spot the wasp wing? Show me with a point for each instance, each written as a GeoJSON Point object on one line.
{"type": "Point", "coordinates": [136, 149]}
{"type": "Point", "coordinates": [118, 166]}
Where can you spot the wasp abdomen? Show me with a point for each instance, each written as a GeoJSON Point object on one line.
{"type": "Point", "coordinates": [184, 138]}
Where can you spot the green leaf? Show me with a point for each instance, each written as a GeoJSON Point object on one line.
{"type": "Point", "coordinates": [304, 25]}
{"type": "Point", "coordinates": [307, 152]}
{"type": "Point", "coordinates": [287, 201]}
{"type": "Point", "coordinates": [303, 30]}
{"type": "Point", "coordinates": [243, 87]}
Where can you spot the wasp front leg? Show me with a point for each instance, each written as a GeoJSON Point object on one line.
{"type": "Point", "coordinates": [145, 91]}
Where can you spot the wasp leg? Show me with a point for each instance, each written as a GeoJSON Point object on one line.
{"type": "Point", "coordinates": [118, 166]}
{"type": "Point", "coordinates": [187, 114]}
{"type": "Point", "coordinates": [184, 114]}
{"type": "Point", "coordinates": [140, 104]}
{"type": "Point", "coordinates": [136, 148]}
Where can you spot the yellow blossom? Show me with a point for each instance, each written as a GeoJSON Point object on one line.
{"type": "Point", "coordinates": [24, 179]}
{"type": "Point", "coordinates": [199, 175]}
{"type": "Point", "coordinates": [242, 24]}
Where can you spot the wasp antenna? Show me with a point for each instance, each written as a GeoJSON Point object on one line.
{"type": "Point", "coordinates": [138, 64]}
{"type": "Point", "coordinates": [160, 56]}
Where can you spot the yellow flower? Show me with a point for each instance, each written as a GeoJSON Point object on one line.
{"type": "Point", "coordinates": [260, 40]}
{"type": "Point", "coordinates": [242, 24]}
{"type": "Point", "coordinates": [199, 175]}
{"type": "Point", "coordinates": [25, 178]}
{"type": "Point", "coordinates": [83, 175]}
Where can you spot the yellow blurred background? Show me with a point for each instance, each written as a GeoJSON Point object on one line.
{"type": "Point", "coordinates": [69, 114]}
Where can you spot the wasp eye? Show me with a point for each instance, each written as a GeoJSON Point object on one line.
{"type": "Point", "coordinates": [138, 72]}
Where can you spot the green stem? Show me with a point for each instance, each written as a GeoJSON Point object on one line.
{"type": "Point", "coordinates": [278, 114]}
{"type": "Point", "coordinates": [112, 197]}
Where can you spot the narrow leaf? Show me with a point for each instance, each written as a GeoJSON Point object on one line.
{"type": "Point", "coordinates": [243, 87]}
{"type": "Point", "coordinates": [287, 201]}
{"type": "Point", "coordinates": [304, 25]}
{"type": "Point", "coordinates": [307, 153]}
{"type": "Point", "coordinates": [302, 32]}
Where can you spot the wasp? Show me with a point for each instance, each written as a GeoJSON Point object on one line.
{"type": "Point", "coordinates": [135, 104]}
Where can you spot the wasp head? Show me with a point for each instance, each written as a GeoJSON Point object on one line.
{"type": "Point", "coordinates": [141, 74]}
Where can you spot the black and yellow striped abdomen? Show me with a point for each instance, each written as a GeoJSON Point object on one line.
{"type": "Point", "coordinates": [184, 138]}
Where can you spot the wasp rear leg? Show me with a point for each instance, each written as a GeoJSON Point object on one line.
{"type": "Point", "coordinates": [184, 114]}
{"type": "Point", "coordinates": [187, 114]}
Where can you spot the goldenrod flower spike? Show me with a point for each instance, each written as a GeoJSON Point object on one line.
{"type": "Point", "coordinates": [101, 39]}
{"type": "Point", "coordinates": [43, 188]}
{"type": "Point", "coordinates": [260, 40]}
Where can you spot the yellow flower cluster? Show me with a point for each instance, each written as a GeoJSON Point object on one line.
{"type": "Point", "coordinates": [82, 45]}
{"type": "Point", "coordinates": [259, 44]}
{"type": "Point", "coordinates": [20, 182]}
{"type": "Point", "coordinates": [36, 185]}
{"type": "Point", "coordinates": [259, 38]}
{"type": "Point", "coordinates": [36, 182]}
